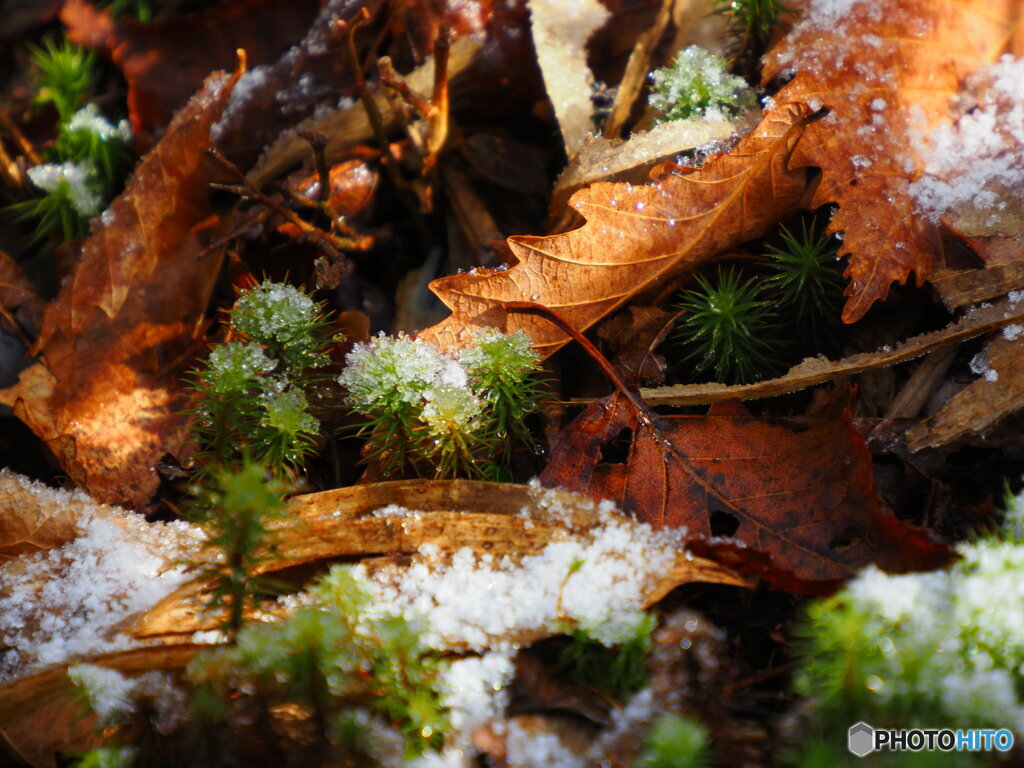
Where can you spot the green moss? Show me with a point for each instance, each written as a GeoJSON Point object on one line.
{"type": "Point", "coordinates": [697, 84]}
{"type": "Point", "coordinates": [618, 671]}
{"type": "Point", "coordinates": [675, 742]}
{"type": "Point", "coordinates": [258, 395]}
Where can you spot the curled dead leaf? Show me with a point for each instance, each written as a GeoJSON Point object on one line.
{"type": "Point", "coordinates": [106, 396]}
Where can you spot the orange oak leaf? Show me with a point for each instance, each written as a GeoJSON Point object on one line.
{"type": "Point", "coordinates": [791, 500]}
{"type": "Point", "coordinates": [888, 71]}
{"type": "Point", "coordinates": [106, 394]}
{"type": "Point", "coordinates": [635, 237]}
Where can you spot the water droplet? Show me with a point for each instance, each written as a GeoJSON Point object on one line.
{"type": "Point", "coordinates": [535, 297]}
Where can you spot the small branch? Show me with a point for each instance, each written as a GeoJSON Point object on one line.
{"type": "Point", "coordinates": [19, 138]}
{"type": "Point", "coordinates": [437, 121]}
{"type": "Point", "coordinates": [531, 308]}
{"type": "Point", "coordinates": [636, 72]}
{"type": "Point", "coordinates": [325, 241]}
{"type": "Point", "coordinates": [372, 112]}
{"type": "Point", "coordinates": [389, 77]}
{"type": "Point", "coordinates": [318, 143]}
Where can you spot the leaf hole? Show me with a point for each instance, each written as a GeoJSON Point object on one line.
{"type": "Point", "coordinates": [842, 542]}
{"type": "Point", "coordinates": [723, 524]}
{"type": "Point", "coordinates": [616, 450]}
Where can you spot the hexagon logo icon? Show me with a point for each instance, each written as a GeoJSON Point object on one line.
{"type": "Point", "coordinates": [861, 739]}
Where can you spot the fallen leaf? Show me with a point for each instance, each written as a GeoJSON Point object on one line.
{"type": "Point", "coordinates": [631, 337]}
{"type": "Point", "coordinates": [40, 715]}
{"type": "Point", "coordinates": [888, 73]}
{"type": "Point", "coordinates": [791, 500]}
{"type": "Point", "coordinates": [165, 61]}
{"type": "Point", "coordinates": [20, 306]}
{"type": "Point", "coordinates": [352, 184]}
{"type": "Point", "coordinates": [106, 396]}
{"type": "Point", "coordinates": [635, 237]}
{"type": "Point", "coordinates": [488, 41]}
{"type": "Point", "coordinates": [961, 288]}
{"type": "Point", "coordinates": [34, 517]}
{"type": "Point", "coordinates": [561, 29]}
{"type": "Point", "coordinates": [486, 518]}
{"type": "Point", "coordinates": [631, 160]}
{"type": "Point", "coordinates": [979, 407]}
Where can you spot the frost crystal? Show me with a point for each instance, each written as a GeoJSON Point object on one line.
{"type": "Point", "coordinates": [113, 696]}
{"type": "Point", "coordinates": [61, 603]}
{"type": "Point", "coordinates": [389, 369]}
{"type": "Point", "coordinates": [952, 639]}
{"type": "Point", "coordinates": [288, 413]}
{"type": "Point", "coordinates": [237, 364]}
{"type": "Point", "coordinates": [109, 692]}
{"type": "Point", "coordinates": [974, 163]}
{"type": "Point", "coordinates": [476, 602]}
{"type": "Point", "coordinates": [510, 356]}
{"type": "Point", "coordinates": [451, 409]}
{"type": "Point", "coordinates": [276, 311]}
{"type": "Point", "coordinates": [88, 118]}
{"type": "Point", "coordinates": [77, 181]}
{"type": "Point", "coordinates": [697, 83]}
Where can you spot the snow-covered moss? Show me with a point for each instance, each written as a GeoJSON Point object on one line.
{"type": "Point", "coordinates": [258, 394]}
{"type": "Point", "coordinates": [921, 649]}
{"type": "Point", "coordinates": [697, 83]}
{"type": "Point", "coordinates": [457, 415]}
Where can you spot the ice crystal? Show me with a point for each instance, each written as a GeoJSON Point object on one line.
{"type": "Point", "coordinates": [510, 357]}
{"type": "Point", "coordinates": [236, 365]}
{"type": "Point", "coordinates": [387, 370]}
{"type": "Point", "coordinates": [89, 119]}
{"type": "Point", "coordinates": [288, 413]}
{"type": "Point", "coordinates": [451, 409]}
{"type": "Point", "coordinates": [697, 83]}
{"type": "Point", "coordinates": [76, 181]}
{"type": "Point", "coordinates": [949, 642]}
{"type": "Point", "coordinates": [277, 311]}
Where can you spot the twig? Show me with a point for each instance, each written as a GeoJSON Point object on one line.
{"type": "Point", "coordinates": [531, 308]}
{"type": "Point", "coordinates": [437, 121]}
{"type": "Point", "coordinates": [636, 70]}
{"type": "Point", "coordinates": [330, 244]}
{"type": "Point", "coordinates": [19, 138]}
{"type": "Point", "coordinates": [318, 143]}
{"type": "Point", "coordinates": [372, 113]}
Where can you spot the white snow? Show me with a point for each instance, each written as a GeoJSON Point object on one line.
{"type": "Point", "coordinates": [76, 180]}
{"type": "Point", "coordinates": [561, 29]}
{"type": "Point", "coordinates": [65, 603]}
{"type": "Point", "coordinates": [974, 161]}
{"type": "Point", "coordinates": [595, 580]}
{"type": "Point", "coordinates": [88, 118]}
{"type": "Point", "coordinates": [538, 750]}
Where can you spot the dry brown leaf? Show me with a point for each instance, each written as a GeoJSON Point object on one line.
{"type": "Point", "coordinates": [983, 403]}
{"type": "Point", "coordinates": [631, 160]}
{"type": "Point", "coordinates": [884, 69]}
{"type": "Point", "coordinates": [961, 288]}
{"type": "Point", "coordinates": [34, 517]}
{"type": "Point", "coordinates": [40, 715]}
{"type": "Point", "coordinates": [485, 517]}
{"type": "Point", "coordinates": [815, 370]}
{"type": "Point", "coordinates": [561, 29]}
{"type": "Point", "coordinates": [106, 396]}
{"type": "Point", "coordinates": [635, 237]}
{"type": "Point", "coordinates": [20, 306]}
{"type": "Point", "coordinates": [791, 500]}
